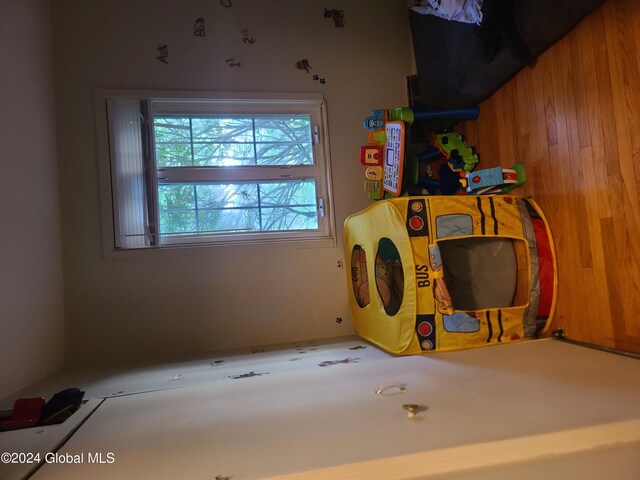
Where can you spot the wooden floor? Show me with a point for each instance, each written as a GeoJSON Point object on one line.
{"type": "Point", "coordinates": [574, 120]}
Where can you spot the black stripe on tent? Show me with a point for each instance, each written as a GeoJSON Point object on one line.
{"type": "Point", "coordinates": [493, 215]}
{"type": "Point", "coordinates": [500, 326]}
{"type": "Point", "coordinates": [482, 218]}
{"type": "Point", "coordinates": [490, 326]}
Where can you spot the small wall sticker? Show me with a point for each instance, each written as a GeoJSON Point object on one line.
{"type": "Point", "coordinates": [163, 53]}
{"type": "Point", "coordinates": [328, 363]}
{"type": "Point", "coordinates": [336, 15]}
{"type": "Point", "coordinates": [226, 3]}
{"type": "Point", "coordinates": [319, 80]}
{"type": "Point", "coordinates": [198, 28]}
{"type": "Point", "coordinates": [232, 62]}
{"type": "Point", "coordinates": [246, 38]}
{"type": "Point", "coordinates": [303, 65]}
{"type": "Point", "coordinates": [248, 375]}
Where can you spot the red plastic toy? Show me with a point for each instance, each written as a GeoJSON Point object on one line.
{"type": "Point", "coordinates": [371, 155]}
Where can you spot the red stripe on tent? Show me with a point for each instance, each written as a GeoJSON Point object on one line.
{"type": "Point", "coordinates": [545, 261]}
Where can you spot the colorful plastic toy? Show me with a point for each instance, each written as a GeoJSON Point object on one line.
{"type": "Point", "coordinates": [371, 155]}
{"type": "Point", "coordinates": [495, 180]}
{"type": "Point", "coordinates": [394, 157]}
{"type": "Point", "coordinates": [409, 115]}
{"type": "Point", "coordinates": [386, 139]}
{"type": "Point", "coordinates": [376, 120]}
{"type": "Point", "coordinates": [460, 155]}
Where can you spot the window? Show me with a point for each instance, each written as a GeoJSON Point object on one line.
{"type": "Point", "coordinates": [186, 169]}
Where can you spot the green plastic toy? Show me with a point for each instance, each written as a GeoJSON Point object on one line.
{"type": "Point", "coordinates": [459, 155]}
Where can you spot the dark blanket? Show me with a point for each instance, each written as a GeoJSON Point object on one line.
{"type": "Point", "coordinates": [451, 57]}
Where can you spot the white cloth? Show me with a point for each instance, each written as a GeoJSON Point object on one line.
{"type": "Point", "coordinates": [466, 11]}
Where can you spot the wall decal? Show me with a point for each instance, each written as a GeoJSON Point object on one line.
{"type": "Point", "coordinates": [232, 62]}
{"type": "Point", "coordinates": [303, 65]}
{"type": "Point", "coordinates": [198, 28]}
{"type": "Point", "coordinates": [248, 375]}
{"type": "Point", "coordinates": [336, 15]}
{"type": "Point", "coordinates": [163, 53]}
{"type": "Point", "coordinates": [226, 3]}
{"type": "Point", "coordinates": [246, 38]}
{"type": "Point", "coordinates": [328, 363]}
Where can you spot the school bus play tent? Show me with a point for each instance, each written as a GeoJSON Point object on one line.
{"type": "Point", "coordinates": [450, 272]}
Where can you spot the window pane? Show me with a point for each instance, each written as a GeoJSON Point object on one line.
{"type": "Point", "coordinates": [288, 193]}
{"type": "Point", "coordinates": [284, 154]}
{"type": "Point", "coordinates": [223, 154]}
{"type": "Point", "coordinates": [283, 129]}
{"type": "Point", "coordinates": [283, 140]}
{"type": "Point", "coordinates": [171, 129]}
{"type": "Point", "coordinates": [177, 222]}
{"type": "Point", "coordinates": [174, 155]}
{"type": "Point", "coordinates": [223, 129]}
{"type": "Point", "coordinates": [177, 208]}
{"type": "Point", "coordinates": [223, 195]}
{"type": "Point", "coordinates": [289, 218]}
{"type": "Point", "coordinates": [238, 207]}
{"type": "Point", "coordinates": [176, 197]}
{"type": "Point", "coordinates": [229, 221]}
{"type": "Point", "coordinates": [227, 142]}
{"type": "Point", "coordinates": [295, 202]}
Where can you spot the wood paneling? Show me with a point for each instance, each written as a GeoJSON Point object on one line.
{"type": "Point", "coordinates": [574, 120]}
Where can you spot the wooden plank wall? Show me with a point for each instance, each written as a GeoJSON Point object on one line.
{"type": "Point", "coordinates": [574, 120]}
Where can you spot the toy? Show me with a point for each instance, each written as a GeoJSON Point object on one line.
{"type": "Point", "coordinates": [409, 115]}
{"type": "Point", "coordinates": [495, 180]}
{"type": "Point", "coordinates": [374, 173]}
{"type": "Point", "coordinates": [450, 272]}
{"type": "Point", "coordinates": [458, 153]}
{"type": "Point", "coordinates": [374, 188]}
{"type": "Point", "coordinates": [394, 157]}
{"type": "Point", "coordinates": [386, 128]}
{"type": "Point", "coordinates": [371, 155]}
{"type": "Point", "coordinates": [376, 120]}
{"type": "Point", "coordinates": [521, 178]}
{"type": "Point", "coordinates": [451, 174]}
{"type": "Point", "coordinates": [448, 183]}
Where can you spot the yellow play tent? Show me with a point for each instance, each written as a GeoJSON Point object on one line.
{"type": "Point", "coordinates": [449, 272]}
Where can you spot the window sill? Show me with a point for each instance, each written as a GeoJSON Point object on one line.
{"type": "Point", "coordinates": [109, 253]}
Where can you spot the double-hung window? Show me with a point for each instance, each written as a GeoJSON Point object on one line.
{"type": "Point", "coordinates": [184, 169]}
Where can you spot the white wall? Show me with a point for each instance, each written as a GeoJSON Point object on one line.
{"type": "Point", "coordinates": [208, 299]}
{"type": "Point", "coordinates": [31, 280]}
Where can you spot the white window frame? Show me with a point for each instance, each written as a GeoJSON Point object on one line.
{"type": "Point", "coordinates": [186, 103]}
